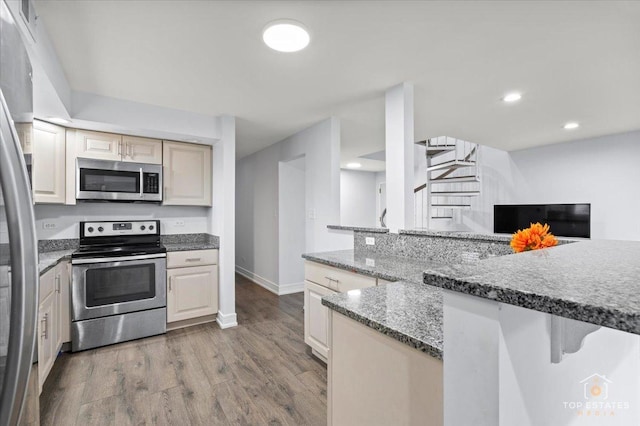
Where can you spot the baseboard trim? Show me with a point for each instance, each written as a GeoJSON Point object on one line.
{"type": "Point", "coordinates": [290, 288]}
{"type": "Point", "coordinates": [227, 320]}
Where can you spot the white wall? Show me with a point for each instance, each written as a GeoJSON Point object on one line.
{"type": "Point", "coordinates": [67, 218]}
{"type": "Point", "coordinates": [358, 200]}
{"type": "Point", "coordinates": [291, 224]}
{"type": "Point", "coordinates": [257, 197]}
{"type": "Point", "coordinates": [602, 171]}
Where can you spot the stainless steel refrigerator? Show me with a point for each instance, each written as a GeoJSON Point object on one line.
{"type": "Point", "coordinates": [18, 249]}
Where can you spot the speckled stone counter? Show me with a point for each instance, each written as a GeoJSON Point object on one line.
{"type": "Point", "coordinates": [408, 312]}
{"type": "Point", "coordinates": [390, 268]}
{"type": "Point", "coordinates": [186, 242]}
{"type": "Point", "coordinates": [592, 281]}
{"type": "Point", "coordinates": [52, 252]}
{"type": "Point", "coordinates": [359, 229]}
{"type": "Point", "coordinates": [49, 260]}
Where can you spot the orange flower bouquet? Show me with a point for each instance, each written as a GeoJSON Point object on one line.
{"type": "Point", "coordinates": [536, 237]}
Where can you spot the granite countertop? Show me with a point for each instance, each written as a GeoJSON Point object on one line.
{"type": "Point", "coordinates": [390, 268]}
{"type": "Point", "coordinates": [49, 260]}
{"type": "Point", "coordinates": [358, 228]}
{"type": "Point", "coordinates": [458, 234]}
{"type": "Point", "coordinates": [51, 252]}
{"type": "Point", "coordinates": [186, 242]}
{"type": "Point", "coordinates": [591, 281]}
{"type": "Point", "coordinates": [408, 312]}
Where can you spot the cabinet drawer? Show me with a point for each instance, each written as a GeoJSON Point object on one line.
{"type": "Point", "coordinates": [336, 279]}
{"type": "Point", "coordinates": [182, 259]}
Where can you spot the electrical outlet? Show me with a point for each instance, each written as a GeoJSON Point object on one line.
{"type": "Point", "coordinates": [179, 222]}
{"type": "Point", "coordinates": [370, 262]}
{"type": "Point", "coordinates": [48, 225]}
{"type": "Point", "coordinates": [370, 241]}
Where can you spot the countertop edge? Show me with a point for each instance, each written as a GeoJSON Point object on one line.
{"type": "Point", "coordinates": [358, 229]}
{"type": "Point", "coordinates": [598, 315]}
{"type": "Point", "coordinates": [394, 334]}
{"type": "Point", "coordinates": [345, 267]}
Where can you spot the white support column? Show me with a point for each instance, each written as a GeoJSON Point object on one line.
{"type": "Point", "coordinates": [223, 219]}
{"type": "Point", "coordinates": [399, 157]}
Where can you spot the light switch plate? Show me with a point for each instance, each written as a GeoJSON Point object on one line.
{"type": "Point", "coordinates": [370, 241]}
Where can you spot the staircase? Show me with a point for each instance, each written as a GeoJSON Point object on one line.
{"type": "Point", "coordinates": [453, 177]}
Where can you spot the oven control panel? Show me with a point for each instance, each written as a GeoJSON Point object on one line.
{"type": "Point", "coordinates": [106, 229]}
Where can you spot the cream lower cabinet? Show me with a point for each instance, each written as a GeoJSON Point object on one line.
{"type": "Point", "coordinates": [322, 280]}
{"type": "Point", "coordinates": [192, 286]}
{"type": "Point", "coordinates": [54, 317]}
{"type": "Point", "coordinates": [48, 163]}
{"type": "Point", "coordinates": [187, 174]}
{"type": "Point", "coordinates": [316, 319]}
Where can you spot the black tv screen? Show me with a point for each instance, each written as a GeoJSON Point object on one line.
{"type": "Point", "coordinates": [565, 220]}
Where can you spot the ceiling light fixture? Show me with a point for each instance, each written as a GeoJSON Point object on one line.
{"type": "Point", "coordinates": [571, 125]}
{"type": "Point", "coordinates": [286, 35]}
{"type": "Point", "coordinates": [512, 97]}
{"type": "Point", "coordinates": [354, 165]}
{"type": "Point", "coordinates": [58, 120]}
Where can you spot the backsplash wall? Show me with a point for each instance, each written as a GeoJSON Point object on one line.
{"type": "Point", "coordinates": [173, 219]}
{"type": "Point", "coordinates": [443, 248]}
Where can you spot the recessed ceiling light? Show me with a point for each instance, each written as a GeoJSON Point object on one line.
{"type": "Point", "coordinates": [512, 97]}
{"type": "Point", "coordinates": [286, 35]}
{"type": "Point", "coordinates": [354, 165]}
{"type": "Point", "coordinates": [58, 120]}
{"type": "Point", "coordinates": [571, 125]}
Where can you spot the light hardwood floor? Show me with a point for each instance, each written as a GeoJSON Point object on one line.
{"type": "Point", "coordinates": [260, 372]}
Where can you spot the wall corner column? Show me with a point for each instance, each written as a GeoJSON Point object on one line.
{"type": "Point", "coordinates": [399, 141]}
{"type": "Point", "coordinates": [223, 219]}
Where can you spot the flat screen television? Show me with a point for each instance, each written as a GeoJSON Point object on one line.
{"type": "Point", "coordinates": [565, 220]}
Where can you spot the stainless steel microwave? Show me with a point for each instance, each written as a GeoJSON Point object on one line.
{"type": "Point", "coordinates": [104, 180]}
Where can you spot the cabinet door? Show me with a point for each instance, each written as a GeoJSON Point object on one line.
{"type": "Point", "coordinates": [141, 150]}
{"type": "Point", "coordinates": [192, 292]}
{"type": "Point", "coordinates": [316, 318]}
{"type": "Point", "coordinates": [98, 145]}
{"type": "Point", "coordinates": [187, 174]}
{"type": "Point", "coordinates": [64, 294]}
{"type": "Point", "coordinates": [46, 337]}
{"type": "Point", "coordinates": [48, 163]}
{"type": "Point", "coordinates": [25, 134]}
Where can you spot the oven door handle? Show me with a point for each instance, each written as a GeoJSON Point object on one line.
{"type": "Point", "coordinates": [117, 259]}
{"type": "Point", "coordinates": [141, 183]}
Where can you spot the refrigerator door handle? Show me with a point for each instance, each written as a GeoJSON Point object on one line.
{"type": "Point", "coordinates": [24, 269]}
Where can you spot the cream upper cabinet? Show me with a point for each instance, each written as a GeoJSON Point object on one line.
{"type": "Point", "coordinates": [25, 134]}
{"type": "Point", "coordinates": [48, 163]}
{"type": "Point", "coordinates": [187, 174]}
{"type": "Point", "coordinates": [98, 145]}
{"type": "Point", "coordinates": [141, 150]}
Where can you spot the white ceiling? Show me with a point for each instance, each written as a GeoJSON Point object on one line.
{"type": "Point", "coordinates": [571, 60]}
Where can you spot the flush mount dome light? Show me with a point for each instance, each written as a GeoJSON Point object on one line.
{"type": "Point", "coordinates": [571, 125]}
{"type": "Point", "coordinates": [286, 35]}
{"type": "Point", "coordinates": [512, 97]}
{"type": "Point", "coordinates": [354, 165]}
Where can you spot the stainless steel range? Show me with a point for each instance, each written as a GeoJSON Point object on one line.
{"type": "Point", "coordinates": [118, 289]}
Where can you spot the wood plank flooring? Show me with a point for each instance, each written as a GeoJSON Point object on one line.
{"type": "Point", "coordinates": [258, 373]}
